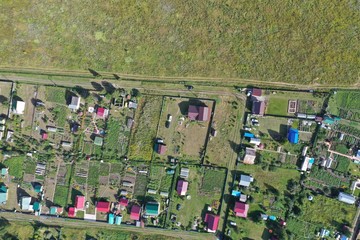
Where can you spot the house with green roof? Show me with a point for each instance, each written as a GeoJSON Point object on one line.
{"type": "Point", "coordinates": [37, 206]}
{"type": "Point", "coordinates": [4, 171]}
{"type": "Point", "coordinates": [53, 210]}
{"type": "Point", "coordinates": [38, 187]}
{"type": "Point", "coordinates": [152, 209]}
{"type": "Point", "coordinates": [98, 141]}
{"type": "Point", "coordinates": [3, 193]}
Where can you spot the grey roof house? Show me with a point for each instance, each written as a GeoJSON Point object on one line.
{"type": "Point", "coordinates": [245, 180]}
{"type": "Point", "coordinates": [346, 198]}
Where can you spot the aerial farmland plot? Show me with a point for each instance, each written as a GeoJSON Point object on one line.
{"type": "Point", "coordinates": [184, 138]}
{"type": "Point", "coordinates": [145, 126]}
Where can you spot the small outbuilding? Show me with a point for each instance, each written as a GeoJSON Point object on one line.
{"type": "Point", "coordinates": [245, 180]}
{"type": "Point", "coordinates": [250, 156]}
{"type": "Point", "coordinates": [293, 136]}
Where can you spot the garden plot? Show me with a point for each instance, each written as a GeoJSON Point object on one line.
{"type": "Point", "coordinates": [228, 113]}
{"type": "Point", "coordinates": [50, 181]}
{"type": "Point", "coordinates": [305, 103]}
{"type": "Point", "coordinates": [144, 128]}
{"type": "Point", "coordinates": [5, 88]}
{"type": "Point", "coordinates": [204, 190]}
{"type": "Point", "coordinates": [116, 172]}
{"type": "Point", "coordinates": [159, 181]}
{"type": "Point", "coordinates": [185, 139]}
{"type": "Point", "coordinates": [267, 193]}
{"type": "Point", "coordinates": [118, 132]}
{"type": "Point", "coordinates": [27, 94]}
{"type": "Point", "coordinates": [64, 174]}
{"type": "Point", "coordinates": [81, 172]}
{"type": "Point", "coordinates": [320, 179]}
{"type": "Point", "coordinates": [346, 105]}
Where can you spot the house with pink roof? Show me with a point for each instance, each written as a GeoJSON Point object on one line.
{"type": "Point", "coordinates": [241, 209]}
{"type": "Point", "coordinates": [182, 187]}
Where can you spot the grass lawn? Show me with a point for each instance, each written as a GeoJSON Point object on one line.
{"type": "Point", "coordinates": [93, 176]}
{"type": "Point", "coordinates": [29, 166]}
{"type": "Point", "coordinates": [345, 104]}
{"type": "Point", "coordinates": [117, 137]}
{"type": "Point", "coordinates": [343, 164]}
{"type": "Point", "coordinates": [329, 179]}
{"type": "Point", "coordinates": [328, 211]}
{"type": "Point", "coordinates": [145, 127]}
{"type": "Point", "coordinates": [288, 42]}
{"type": "Point", "coordinates": [140, 186]}
{"type": "Point", "coordinates": [61, 195]}
{"type": "Point", "coordinates": [15, 165]}
{"type": "Point", "coordinates": [195, 206]}
{"type": "Point", "coordinates": [55, 95]}
{"type": "Point", "coordinates": [228, 113]}
{"type": "Point", "coordinates": [61, 113]}
{"type": "Point", "coordinates": [307, 103]}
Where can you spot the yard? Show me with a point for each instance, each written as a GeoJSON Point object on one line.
{"type": "Point", "coordinates": [328, 178]}
{"type": "Point", "coordinates": [346, 105]}
{"type": "Point", "coordinates": [61, 195]}
{"type": "Point", "coordinates": [185, 139]}
{"type": "Point", "coordinates": [306, 103]}
{"type": "Point", "coordinates": [5, 88]}
{"type": "Point", "coordinates": [267, 193]}
{"type": "Point", "coordinates": [200, 195]}
{"type": "Point", "coordinates": [117, 135]}
{"type": "Point", "coordinates": [228, 113]}
{"type": "Point", "coordinates": [145, 127]}
{"type": "Point", "coordinates": [15, 165]}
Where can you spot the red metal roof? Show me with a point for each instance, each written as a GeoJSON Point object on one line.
{"type": "Point", "coordinates": [71, 212]}
{"type": "Point", "coordinates": [100, 112]}
{"type": "Point", "coordinates": [103, 207]}
{"type": "Point", "coordinates": [135, 212]}
{"type": "Point", "coordinates": [241, 209]}
{"type": "Point", "coordinates": [193, 112]}
{"type": "Point", "coordinates": [203, 114]}
{"type": "Point", "coordinates": [161, 149]}
{"type": "Point", "coordinates": [256, 92]}
{"type": "Point", "coordinates": [79, 202]}
{"type": "Point", "coordinates": [212, 221]}
{"type": "Point", "coordinates": [182, 187]}
{"type": "Point", "coordinates": [44, 136]}
{"type": "Point", "coordinates": [124, 202]}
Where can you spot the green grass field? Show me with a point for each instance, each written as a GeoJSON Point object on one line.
{"type": "Point", "coordinates": [289, 42]}
{"type": "Point", "coordinates": [61, 195]}
{"type": "Point", "coordinates": [15, 165]}
{"type": "Point", "coordinates": [145, 127]}
{"type": "Point", "coordinates": [345, 104]}
{"type": "Point", "coordinates": [55, 95]}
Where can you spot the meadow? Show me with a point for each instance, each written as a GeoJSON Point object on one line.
{"type": "Point", "coordinates": [293, 41]}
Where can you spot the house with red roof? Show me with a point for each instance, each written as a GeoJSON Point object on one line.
{"type": "Point", "coordinates": [135, 212]}
{"type": "Point", "coordinates": [103, 207]}
{"type": "Point", "coordinates": [160, 148]}
{"type": "Point", "coordinates": [124, 202]}
{"type": "Point", "coordinates": [241, 209]}
{"type": "Point", "coordinates": [198, 113]}
{"type": "Point", "coordinates": [71, 212]}
{"type": "Point", "coordinates": [256, 92]}
{"type": "Point", "coordinates": [102, 112]}
{"type": "Point", "coordinates": [79, 202]}
{"type": "Point", "coordinates": [212, 222]}
{"type": "Point", "coordinates": [182, 187]}
{"type": "Point", "coordinates": [44, 136]}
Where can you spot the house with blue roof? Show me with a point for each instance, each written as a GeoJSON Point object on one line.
{"type": "Point", "coordinates": [293, 136]}
{"type": "Point", "coordinates": [248, 135]}
{"type": "Point", "coordinates": [3, 194]}
{"type": "Point", "coordinates": [118, 219]}
{"type": "Point", "coordinates": [111, 218]}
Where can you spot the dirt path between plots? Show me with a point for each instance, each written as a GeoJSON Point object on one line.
{"type": "Point", "coordinates": [111, 75]}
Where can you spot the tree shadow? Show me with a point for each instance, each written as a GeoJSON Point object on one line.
{"type": "Point", "coordinates": [255, 215]}
{"type": "Point", "coordinates": [184, 106]}
{"type": "Point", "coordinates": [49, 203]}
{"type": "Point", "coordinates": [84, 93]}
{"type": "Point", "coordinates": [234, 146]}
{"type": "Point", "coordinates": [3, 99]}
{"type": "Point", "coordinates": [117, 77]}
{"type": "Point", "coordinates": [276, 136]}
{"type": "Point", "coordinates": [97, 86]}
{"type": "Point", "coordinates": [74, 193]}
{"type": "Point", "coordinates": [272, 189]}
{"type": "Point", "coordinates": [109, 88]}
{"type": "Point", "coordinates": [94, 73]}
{"type": "Point", "coordinates": [283, 130]}
{"type": "Point", "coordinates": [21, 193]}
{"type": "Point", "coordinates": [17, 98]}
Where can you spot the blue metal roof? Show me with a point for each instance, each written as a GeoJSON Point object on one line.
{"type": "Point", "coordinates": [249, 135]}
{"type": "Point", "coordinates": [111, 218]}
{"type": "Point", "coordinates": [235, 193]}
{"type": "Point", "coordinates": [293, 135]}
